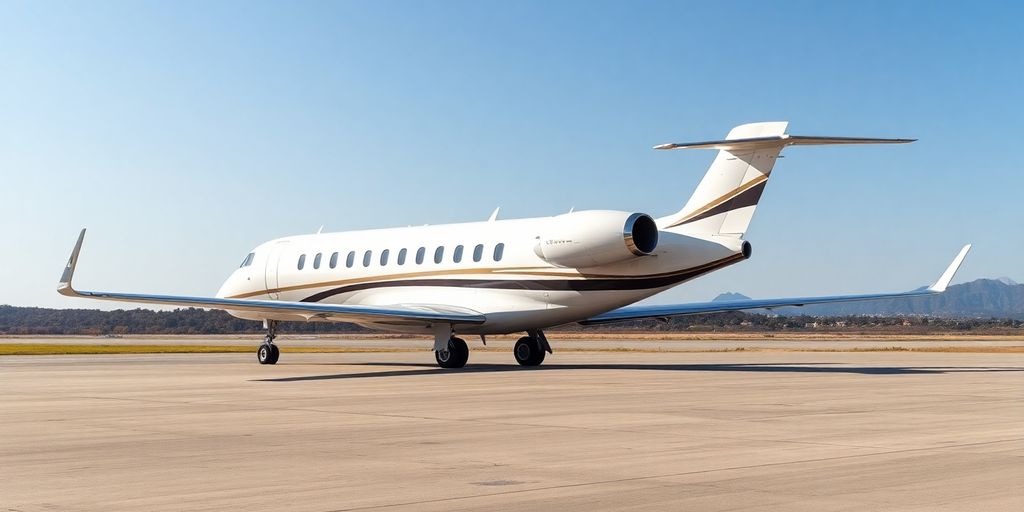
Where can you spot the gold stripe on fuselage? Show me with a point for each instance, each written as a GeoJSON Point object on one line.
{"type": "Point", "coordinates": [506, 271]}
{"type": "Point", "coordinates": [381, 277]}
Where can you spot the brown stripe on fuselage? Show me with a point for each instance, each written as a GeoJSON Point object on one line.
{"type": "Point", "coordinates": [390, 276]}
{"type": "Point", "coordinates": [510, 271]}
{"type": "Point", "coordinates": [644, 282]}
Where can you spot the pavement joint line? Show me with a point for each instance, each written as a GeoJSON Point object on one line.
{"type": "Point", "coordinates": [487, 422]}
{"type": "Point", "coordinates": [144, 400]}
{"type": "Point", "coordinates": [588, 429]}
{"type": "Point", "coordinates": [880, 409]}
{"type": "Point", "coordinates": [515, 424]}
{"type": "Point", "coordinates": [666, 475]}
{"type": "Point", "coordinates": [534, 425]}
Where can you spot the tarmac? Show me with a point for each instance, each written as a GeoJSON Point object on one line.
{"type": "Point", "coordinates": [586, 431]}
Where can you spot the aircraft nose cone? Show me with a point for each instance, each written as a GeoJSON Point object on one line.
{"type": "Point", "coordinates": [225, 290]}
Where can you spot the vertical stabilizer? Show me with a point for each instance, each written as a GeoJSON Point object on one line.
{"type": "Point", "coordinates": [725, 199]}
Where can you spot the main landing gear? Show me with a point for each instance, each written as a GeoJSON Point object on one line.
{"type": "Point", "coordinates": [530, 350]}
{"type": "Point", "coordinates": [454, 355]}
{"type": "Point", "coordinates": [268, 353]}
{"type": "Point", "coordinates": [452, 352]}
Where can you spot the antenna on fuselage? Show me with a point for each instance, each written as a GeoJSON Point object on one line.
{"type": "Point", "coordinates": [494, 216]}
{"type": "Point", "coordinates": [321, 230]}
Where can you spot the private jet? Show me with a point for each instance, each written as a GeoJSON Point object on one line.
{"type": "Point", "coordinates": [518, 275]}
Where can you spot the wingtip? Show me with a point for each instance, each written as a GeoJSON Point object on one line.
{"type": "Point", "coordinates": [64, 286]}
{"type": "Point", "coordinates": [947, 276]}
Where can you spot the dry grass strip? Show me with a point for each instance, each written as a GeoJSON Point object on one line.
{"type": "Point", "coordinates": [39, 349]}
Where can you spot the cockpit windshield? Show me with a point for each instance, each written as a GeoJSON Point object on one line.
{"type": "Point", "coordinates": [248, 260]}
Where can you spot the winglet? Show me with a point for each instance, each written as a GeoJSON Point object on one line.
{"type": "Point", "coordinates": [64, 287]}
{"type": "Point", "coordinates": [947, 276]}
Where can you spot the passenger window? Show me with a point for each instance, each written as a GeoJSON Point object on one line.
{"type": "Point", "coordinates": [350, 259]}
{"type": "Point", "coordinates": [384, 257]}
{"type": "Point", "coordinates": [367, 256]}
{"type": "Point", "coordinates": [439, 254]}
{"type": "Point", "coordinates": [334, 260]}
{"type": "Point", "coordinates": [302, 261]}
{"type": "Point", "coordinates": [401, 256]}
{"type": "Point", "coordinates": [499, 251]}
{"type": "Point", "coordinates": [316, 260]}
{"type": "Point", "coordinates": [457, 255]}
{"type": "Point", "coordinates": [420, 253]}
{"type": "Point", "coordinates": [478, 252]}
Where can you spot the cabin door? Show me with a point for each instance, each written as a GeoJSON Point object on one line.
{"type": "Point", "coordinates": [273, 265]}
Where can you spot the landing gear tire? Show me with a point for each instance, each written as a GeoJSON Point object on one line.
{"type": "Point", "coordinates": [528, 351]}
{"type": "Point", "coordinates": [454, 355]}
{"type": "Point", "coordinates": [268, 353]}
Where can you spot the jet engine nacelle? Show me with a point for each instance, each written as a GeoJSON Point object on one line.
{"type": "Point", "coordinates": [597, 237]}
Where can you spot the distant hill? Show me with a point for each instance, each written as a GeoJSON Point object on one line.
{"type": "Point", "coordinates": [982, 298]}
{"type": "Point", "coordinates": [729, 296]}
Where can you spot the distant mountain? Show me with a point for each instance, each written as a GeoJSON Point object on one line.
{"type": "Point", "coordinates": [982, 298]}
{"type": "Point", "coordinates": [729, 296]}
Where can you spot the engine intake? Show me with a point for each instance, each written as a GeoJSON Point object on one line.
{"type": "Point", "coordinates": [640, 234]}
{"type": "Point", "coordinates": [598, 237]}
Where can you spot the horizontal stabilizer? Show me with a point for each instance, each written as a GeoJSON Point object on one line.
{"type": "Point", "coordinates": [778, 141]}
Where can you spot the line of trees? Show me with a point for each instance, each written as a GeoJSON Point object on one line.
{"type": "Point", "coordinates": [737, 321]}
{"type": "Point", "coordinates": [42, 321]}
{"type": "Point", "coordinates": [20, 320]}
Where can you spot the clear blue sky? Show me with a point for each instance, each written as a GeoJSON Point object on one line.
{"type": "Point", "coordinates": [183, 133]}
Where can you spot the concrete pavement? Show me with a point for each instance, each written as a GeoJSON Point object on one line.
{"type": "Point", "coordinates": [586, 431]}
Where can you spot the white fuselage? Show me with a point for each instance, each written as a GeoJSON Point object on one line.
{"type": "Point", "coordinates": [515, 287]}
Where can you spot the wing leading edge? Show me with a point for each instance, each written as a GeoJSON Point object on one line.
{"type": "Point", "coordinates": [669, 310]}
{"type": "Point", "coordinates": [426, 313]}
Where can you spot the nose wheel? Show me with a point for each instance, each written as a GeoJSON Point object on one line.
{"type": "Point", "coordinates": [268, 353]}
{"type": "Point", "coordinates": [454, 355]}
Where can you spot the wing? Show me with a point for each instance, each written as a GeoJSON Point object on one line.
{"type": "Point", "coordinates": [426, 313]}
{"type": "Point", "coordinates": [668, 310]}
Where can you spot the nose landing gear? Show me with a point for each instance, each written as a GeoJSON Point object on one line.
{"type": "Point", "coordinates": [268, 353]}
